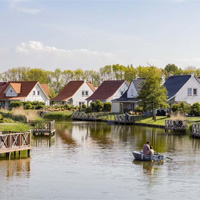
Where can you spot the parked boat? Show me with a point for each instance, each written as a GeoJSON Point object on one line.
{"type": "Point", "coordinates": [138, 155]}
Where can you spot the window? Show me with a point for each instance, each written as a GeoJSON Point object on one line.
{"type": "Point", "coordinates": [11, 91]}
{"type": "Point", "coordinates": [86, 93]}
{"type": "Point", "coordinates": [122, 93]}
{"type": "Point", "coordinates": [195, 91]}
{"type": "Point", "coordinates": [33, 92]}
{"type": "Point", "coordinates": [83, 92]}
{"type": "Point", "coordinates": [38, 93]}
{"type": "Point", "coordinates": [189, 91]}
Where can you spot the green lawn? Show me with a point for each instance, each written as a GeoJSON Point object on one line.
{"type": "Point", "coordinates": [160, 120]}
{"type": "Point", "coordinates": [14, 127]}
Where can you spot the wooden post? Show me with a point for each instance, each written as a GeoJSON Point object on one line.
{"type": "Point", "coordinates": [9, 141]}
{"type": "Point", "coordinates": [29, 151]}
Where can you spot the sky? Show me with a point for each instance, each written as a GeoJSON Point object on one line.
{"type": "Point", "coordinates": [71, 34]}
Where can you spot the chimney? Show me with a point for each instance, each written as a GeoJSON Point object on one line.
{"type": "Point", "coordinates": [192, 74]}
{"type": "Point", "coordinates": [170, 75]}
{"type": "Point", "coordinates": [163, 79]}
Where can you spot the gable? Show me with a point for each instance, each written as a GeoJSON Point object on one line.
{"type": "Point", "coordinates": [132, 92]}
{"type": "Point", "coordinates": [174, 83]}
{"type": "Point", "coordinates": [10, 92]}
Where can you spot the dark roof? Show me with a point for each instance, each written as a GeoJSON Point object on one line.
{"type": "Point", "coordinates": [70, 89]}
{"type": "Point", "coordinates": [138, 82]}
{"type": "Point", "coordinates": [106, 90]}
{"type": "Point", "coordinates": [174, 83]}
{"type": "Point", "coordinates": [25, 89]}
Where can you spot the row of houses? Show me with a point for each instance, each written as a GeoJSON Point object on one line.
{"type": "Point", "coordinates": [124, 97]}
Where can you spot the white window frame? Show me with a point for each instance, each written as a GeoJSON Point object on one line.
{"type": "Point", "coordinates": [189, 91]}
{"type": "Point", "coordinates": [38, 93]}
{"type": "Point", "coordinates": [83, 93]}
{"type": "Point", "coordinates": [86, 93]}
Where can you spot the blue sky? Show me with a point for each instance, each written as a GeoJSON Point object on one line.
{"type": "Point", "coordinates": [52, 34]}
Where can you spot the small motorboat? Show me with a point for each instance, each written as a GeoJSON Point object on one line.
{"type": "Point", "coordinates": [138, 155]}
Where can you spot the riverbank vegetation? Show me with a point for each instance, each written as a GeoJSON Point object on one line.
{"type": "Point", "coordinates": [59, 115]}
{"type": "Point", "coordinates": [14, 127]}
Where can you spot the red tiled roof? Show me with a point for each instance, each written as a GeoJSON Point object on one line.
{"type": "Point", "coordinates": [26, 87]}
{"type": "Point", "coordinates": [2, 86]}
{"type": "Point", "coordinates": [69, 90]}
{"type": "Point", "coordinates": [106, 90]}
{"type": "Point", "coordinates": [16, 87]}
{"type": "Point", "coordinates": [91, 86]}
{"type": "Point", "coordinates": [46, 89]}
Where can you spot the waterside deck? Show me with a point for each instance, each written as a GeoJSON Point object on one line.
{"type": "Point", "coordinates": [15, 142]}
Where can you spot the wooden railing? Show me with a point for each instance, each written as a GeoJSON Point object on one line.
{"type": "Point", "coordinates": [124, 118]}
{"type": "Point", "coordinates": [16, 140]}
{"type": "Point", "coordinates": [42, 125]}
{"type": "Point", "coordinates": [196, 129]}
{"type": "Point", "coordinates": [176, 125]}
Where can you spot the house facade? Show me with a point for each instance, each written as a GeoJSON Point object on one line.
{"type": "Point", "coordinates": [22, 91]}
{"type": "Point", "coordinates": [74, 93]}
{"type": "Point", "coordinates": [129, 100]}
{"type": "Point", "coordinates": [109, 90]}
{"type": "Point", "coordinates": [184, 88]}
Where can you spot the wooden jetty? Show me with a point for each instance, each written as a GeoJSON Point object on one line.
{"type": "Point", "coordinates": [42, 128]}
{"type": "Point", "coordinates": [195, 131]}
{"type": "Point", "coordinates": [175, 125]}
{"type": "Point", "coordinates": [15, 142]}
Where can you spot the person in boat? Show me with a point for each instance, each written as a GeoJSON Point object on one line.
{"type": "Point", "coordinates": [152, 152]}
{"type": "Point", "coordinates": [146, 148]}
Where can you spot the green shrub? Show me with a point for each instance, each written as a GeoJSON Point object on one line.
{"type": "Point", "coordinates": [28, 106]}
{"type": "Point", "coordinates": [107, 106]}
{"type": "Point", "coordinates": [93, 106]}
{"type": "Point", "coordinates": [88, 110]}
{"type": "Point", "coordinates": [15, 104]}
{"type": "Point", "coordinates": [99, 105]}
{"type": "Point", "coordinates": [175, 107]}
{"type": "Point", "coordinates": [84, 106]}
{"type": "Point", "coordinates": [66, 106]}
{"type": "Point", "coordinates": [195, 109]}
{"type": "Point", "coordinates": [1, 119]}
{"type": "Point", "coordinates": [138, 109]}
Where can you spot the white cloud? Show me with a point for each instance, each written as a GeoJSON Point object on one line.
{"type": "Point", "coordinates": [22, 6]}
{"type": "Point", "coordinates": [36, 54]}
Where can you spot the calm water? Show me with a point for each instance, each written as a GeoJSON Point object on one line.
{"type": "Point", "coordinates": [94, 161]}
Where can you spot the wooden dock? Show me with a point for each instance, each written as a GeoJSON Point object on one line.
{"type": "Point", "coordinates": [195, 131]}
{"type": "Point", "coordinates": [175, 125]}
{"type": "Point", "coordinates": [41, 128]}
{"type": "Point", "coordinates": [124, 119]}
{"type": "Point", "coordinates": [15, 142]}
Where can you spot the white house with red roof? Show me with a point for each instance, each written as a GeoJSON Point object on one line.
{"type": "Point", "coordinates": [109, 90]}
{"type": "Point", "coordinates": [74, 93]}
{"type": "Point", "coordinates": [23, 91]}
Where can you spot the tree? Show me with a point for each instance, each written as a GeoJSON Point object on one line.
{"type": "Point", "coordinates": [171, 68]}
{"type": "Point", "coordinates": [153, 94]}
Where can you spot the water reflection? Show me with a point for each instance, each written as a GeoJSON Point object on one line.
{"type": "Point", "coordinates": [95, 159]}
{"type": "Point", "coordinates": [39, 141]}
{"type": "Point", "coordinates": [16, 167]}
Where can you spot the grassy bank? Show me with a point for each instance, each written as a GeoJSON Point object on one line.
{"type": "Point", "coordinates": [160, 120]}
{"type": "Point", "coordinates": [14, 127]}
{"type": "Point", "coordinates": [60, 115]}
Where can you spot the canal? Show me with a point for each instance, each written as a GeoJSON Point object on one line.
{"type": "Point", "coordinates": [94, 161]}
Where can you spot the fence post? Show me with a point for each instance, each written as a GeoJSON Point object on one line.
{"type": "Point", "coordinates": [9, 141]}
